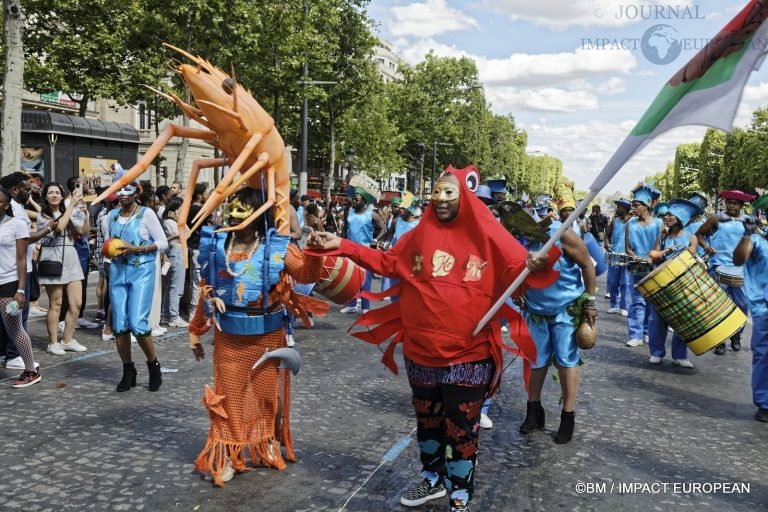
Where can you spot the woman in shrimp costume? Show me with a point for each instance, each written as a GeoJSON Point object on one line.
{"type": "Point", "coordinates": [246, 295]}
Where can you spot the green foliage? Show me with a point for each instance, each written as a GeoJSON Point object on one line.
{"type": "Point", "coordinates": [686, 174]}
{"type": "Point", "coordinates": [710, 160]}
{"type": "Point", "coordinates": [369, 128]}
{"type": "Point", "coordinates": [540, 174]}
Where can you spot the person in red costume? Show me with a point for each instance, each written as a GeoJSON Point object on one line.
{"type": "Point", "coordinates": [453, 266]}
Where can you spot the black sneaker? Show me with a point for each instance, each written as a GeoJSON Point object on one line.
{"type": "Point", "coordinates": [422, 494]}
{"type": "Point", "coordinates": [761, 414]}
{"type": "Point", "coordinates": [720, 349]}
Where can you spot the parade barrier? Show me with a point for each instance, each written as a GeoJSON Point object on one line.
{"type": "Point", "coordinates": [692, 302]}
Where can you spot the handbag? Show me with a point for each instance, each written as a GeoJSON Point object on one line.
{"type": "Point", "coordinates": [50, 268]}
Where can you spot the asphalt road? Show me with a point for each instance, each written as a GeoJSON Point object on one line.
{"type": "Point", "coordinates": [647, 437]}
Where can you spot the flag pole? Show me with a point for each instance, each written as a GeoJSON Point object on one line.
{"type": "Point", "coordinates": [628, 147]}
{"type": "Point", "coordinates": [520, 278]}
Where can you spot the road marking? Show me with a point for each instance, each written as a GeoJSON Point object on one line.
{"type": "Point", "coordinates": [90, 355]}
{"type": "Point", "coordinates": [397, 449]}
{"type": "Point", "coordinates": [389, 456]}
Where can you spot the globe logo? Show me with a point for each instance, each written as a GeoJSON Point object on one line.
{"type": "Point", "coordinates": [661, 44]}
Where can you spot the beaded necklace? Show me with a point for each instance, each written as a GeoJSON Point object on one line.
{"type": "Point", "coordinates": [228, 254]}
{"type": "Point", "coordinates": [122, 228]}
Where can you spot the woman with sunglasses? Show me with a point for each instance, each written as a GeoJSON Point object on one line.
{"type": "Point", "coordinates": [132, 282]}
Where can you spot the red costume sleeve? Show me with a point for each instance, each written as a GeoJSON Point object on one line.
{"type": "Point", "coordinates": [379, 262]}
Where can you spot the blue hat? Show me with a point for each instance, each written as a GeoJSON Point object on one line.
{"type": "Point", "coordinates": [624, 203]}
{"type": "Point", "coordinates": [699, 200]}
{"type": "Point", "coordinates": [484, 193]}
{"type": "Point", "coordinates": [646, 194]}
{"type": "Point", "coordinates": [497, 186]}
{"type": "Point", "coordinates": [684, 210]}
{"type": "Point", "coordinates": [660, 209]}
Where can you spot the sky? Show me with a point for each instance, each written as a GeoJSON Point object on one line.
{"type": "Point", "coordinates": [543, 61]}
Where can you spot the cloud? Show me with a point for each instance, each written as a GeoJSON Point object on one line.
{"type": "Point", "coordinates": [754, 96]}
{"type": "Point", "coordinates": [545, 82]}
{"type": "Point", "coordinates": [526, 69]}
{"type": "Point", "coordinates": [559, 15]}
{"type": "Point", "coordinates": [584, 149]}
{"type": "Point", "coordinates": [427, 19]}
{"type": "Point", "coordinates": [550, 99]}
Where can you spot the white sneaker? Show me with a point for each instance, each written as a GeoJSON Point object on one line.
{"type": "Point", "coordinates": [624, 312]}
{"type": "Point", "coordinates": [179, 322]}
{"type": "Point", "coordinates": [107, 337]}
{"type": "Point", "coordinates": [485, 421]}
{"type": "Point", "coordinates": [289, 341]}
{"type": "Point", "coordinates": [157, 332]}
{"type": "Point", "coordinates": [683, 363]}
{"type": "Point", "coordinates": [17, 363]}
{"type": "Point", "coordinates": [365, 311]}
{"type": "Point", "coordinates": [504, 328]}
{"type": "Point", "coordinates": [37, 312]}
{"type": "Point", "coordinates": [350, 309]}
{"type": "Point", "coordinates": [56, 349]}
{"type": "Point", "coordinates": [645, 339]}
{"type": "Point", "coordinates": [607, 295]}
{"type": "Point", "coordinates": [61, 326]}
{"type": "Point", "coordinates": [87, 324]}
{"type": "Point", "coordinates": [612, 311]}
{"type": "Point", "coordinates": [72, 346]}
{"type": "Point", "coordinates": [634, 343]}
{"type": "Point", "coordinates": [654, 360]}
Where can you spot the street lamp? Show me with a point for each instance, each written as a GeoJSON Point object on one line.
{"type": "Point", "coordinates": [350, 159]}
{"type": "Point", "coordinates": [434, 161]}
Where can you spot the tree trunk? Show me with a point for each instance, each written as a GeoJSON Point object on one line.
{"type": "Point", "coordinates": [181, 157]}
{"type": "Point", "coordinates": [82, 107]}
{"type": "Point", "coordinates": [13, 77]}
{"type": "Point", "coordinates": [331, 178]}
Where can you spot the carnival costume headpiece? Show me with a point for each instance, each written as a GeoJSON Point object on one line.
{"type": "Point", "coordinates": [737, 195]}
{"type": "Point", "coordinates": [684, 210]}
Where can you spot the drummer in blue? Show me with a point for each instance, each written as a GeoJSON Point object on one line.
{"type": "Point", "coordinates": [677, 214]}
{"type": "Point", "coordinates": [641, 234]}
{"type": "Point", "coordinates": [724, 230]}
{"type": "Point", "coordinates": [752, 252]}
{"type": "Point", "coordinates": [618, 278]}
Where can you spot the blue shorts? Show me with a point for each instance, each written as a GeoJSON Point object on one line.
{"type": "Point", "coordinates": [553, 336]}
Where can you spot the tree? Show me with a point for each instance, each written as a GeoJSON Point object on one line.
{"type": "Point", "coordinates": [440, 100]}
{"type": "Point", "coordinates": [105, 57]}
{"type": "Point", "coordinates": [13, 75]}
{"type": "Point", "coordinates": [710, 161]}
{"type": "Point", "coordinates": [686, 173]}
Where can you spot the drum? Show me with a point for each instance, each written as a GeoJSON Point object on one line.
{"type": "Point", "coordinates": [692, 302]}
{"type": "Point", "coordinates": [638, 267]}
{"type": "Point", "coordinates": [616, 258]}
{"type": "Point", "coordinates": [597, 254]}
{"type": "Point", "coordinates": [730, 275]}
{"type": "Point", "coordinates": [342, 279]}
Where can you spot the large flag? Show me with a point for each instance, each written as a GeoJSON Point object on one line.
{"type": "Point", "coordinates": [706, 91]}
